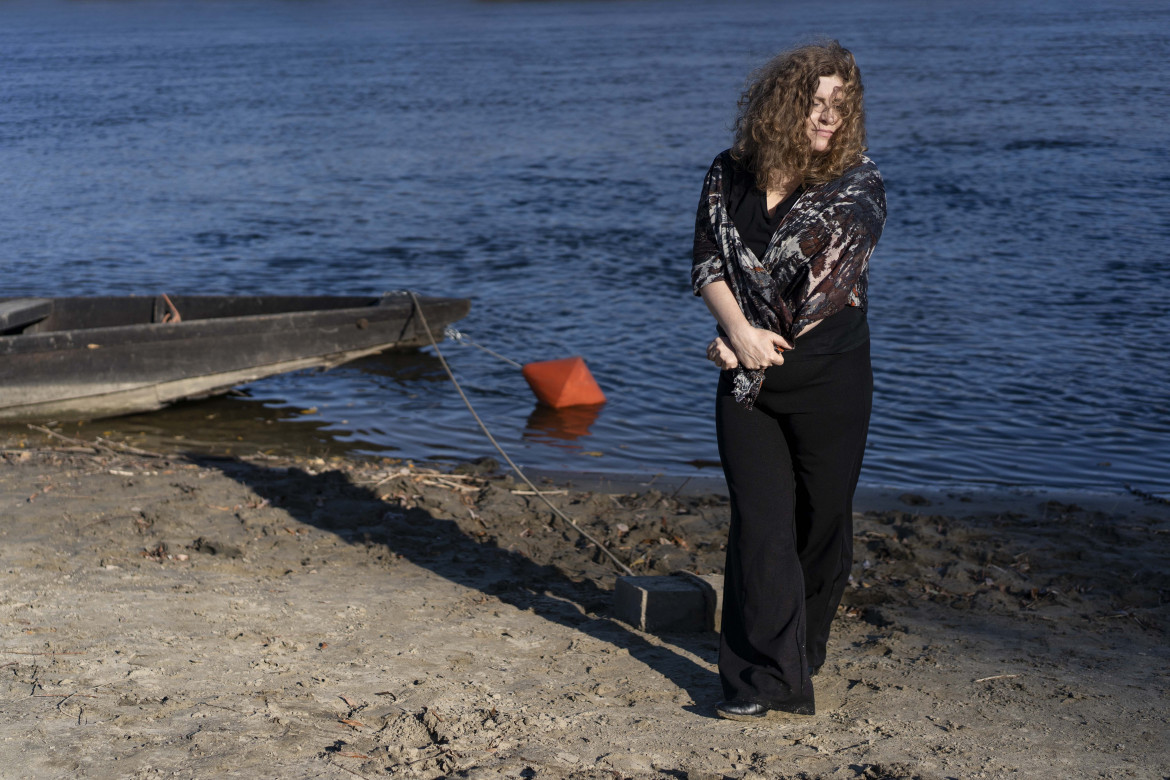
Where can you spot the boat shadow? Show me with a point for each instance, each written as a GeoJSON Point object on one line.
{"type": "Point", "coordinates": [357, 514]}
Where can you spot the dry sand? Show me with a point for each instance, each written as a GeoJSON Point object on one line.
{"type": "Point", "coordinates": [253, 617]}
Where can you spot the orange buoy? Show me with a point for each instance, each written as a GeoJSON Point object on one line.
{"type": "Point", "coordinates": [565, 382]}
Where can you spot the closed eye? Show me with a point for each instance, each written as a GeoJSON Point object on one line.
{"type": "Point", "coordinates": [820, 106]}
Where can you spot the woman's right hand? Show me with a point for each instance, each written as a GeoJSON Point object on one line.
{"type": "Point", "coordinates": [721, 354]}
{"type": "Point", "coordinates": [753, 347]}
{"type": "Point", "coordinates": [758, 348]}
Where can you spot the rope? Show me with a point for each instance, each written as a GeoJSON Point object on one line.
{"type": "Point", "coordinates": [172, 315]}
{"type": "Point", "coordinates": [453, 334]}
{"type": "Point", "coordinates": [422, 318]}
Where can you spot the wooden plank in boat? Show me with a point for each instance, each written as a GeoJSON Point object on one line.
{"type": "Point", "coordinates": [20, 312]}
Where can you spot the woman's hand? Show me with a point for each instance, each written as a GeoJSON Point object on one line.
{"type": "Point", "coordinates": [721, 354]}
{"type": "Point", "coordinates": [758, 348]}
{"type": "Point", "coordinates": [751, 347]}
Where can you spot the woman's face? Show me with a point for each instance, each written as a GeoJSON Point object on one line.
{"type": "Point", "coordinates": [824, 119]}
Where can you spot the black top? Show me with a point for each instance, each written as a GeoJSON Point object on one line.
{"type": "Point", "coordinates": [748, 208]}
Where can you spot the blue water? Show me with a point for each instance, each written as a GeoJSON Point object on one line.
{"type": "Point", "coordinates": [544, 159]}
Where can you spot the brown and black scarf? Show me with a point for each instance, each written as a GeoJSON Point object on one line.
{"type": "Point", "coordinates": [816, 263]}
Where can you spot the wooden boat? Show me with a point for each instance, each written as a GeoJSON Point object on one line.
{"type": "Point", "coordinates": [90, 357]}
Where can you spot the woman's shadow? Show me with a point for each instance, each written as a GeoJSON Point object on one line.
{"type": "Point", "coordinates": [359, 515]}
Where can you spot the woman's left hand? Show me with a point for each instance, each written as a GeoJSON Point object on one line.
{"type": "Point", "coordinates": [721, 354]}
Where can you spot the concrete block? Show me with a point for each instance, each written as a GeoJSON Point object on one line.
{"type": "Point", "coordinates": [712, 587]}
{"type": "Point", "coordinates": [680, 602]}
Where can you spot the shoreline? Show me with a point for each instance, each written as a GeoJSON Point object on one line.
{"type": "Point", "coordinates": [293, 441]}
{"type": "Point", "coordinates": [284, 617]}
{"type": "Point", "coordinates": [868, 497]}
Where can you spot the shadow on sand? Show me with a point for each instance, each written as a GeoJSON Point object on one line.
{"type": "Point", "coordinates": [359, 515]}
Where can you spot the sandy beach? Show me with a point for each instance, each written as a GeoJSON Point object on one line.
{"type": "Point", "coordinates": [194, 616]}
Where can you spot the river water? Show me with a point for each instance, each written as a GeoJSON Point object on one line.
{"type": "Point", "coordinates": [544, 160]}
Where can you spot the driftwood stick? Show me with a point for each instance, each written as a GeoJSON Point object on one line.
{"type": "Point", "coordinates": [388, 477]}
{"type": "Point", "coordinates": [117, 445]}
{"type": "Point", "coordinates": [63, 437]}
{"type": "Point", "coordinates": [87, 450]}
{"type": "Point", "coordinates": [99, 443]}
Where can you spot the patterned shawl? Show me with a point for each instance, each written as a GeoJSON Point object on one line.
{"type": "Point", "coordinates": [815, 265]}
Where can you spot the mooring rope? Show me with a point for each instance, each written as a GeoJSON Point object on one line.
{"type": "Point", "coordinates": [423, 319]}
{"type": "Point", "coordinates": [452, 333]}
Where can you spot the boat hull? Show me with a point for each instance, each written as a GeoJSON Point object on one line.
{"type": "Point", "coordinates": [133, 362]}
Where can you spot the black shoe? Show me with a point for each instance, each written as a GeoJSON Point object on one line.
{"type": "Point", "coordinates": [750, 710]}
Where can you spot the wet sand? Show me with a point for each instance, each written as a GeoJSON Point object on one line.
{"type": "Point", "coordinates": [195, 616]}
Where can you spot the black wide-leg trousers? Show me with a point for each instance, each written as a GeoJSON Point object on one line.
{"type": "Point", "coordinates": [791, 464]}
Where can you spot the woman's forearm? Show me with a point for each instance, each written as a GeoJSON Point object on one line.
{"type": "Point", "coordinates": [723, 306]}
{"type": "Point", "coordinates": [754, 347]}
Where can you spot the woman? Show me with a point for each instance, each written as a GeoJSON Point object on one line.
{"type": "Point", "coordinates": [787, 221]}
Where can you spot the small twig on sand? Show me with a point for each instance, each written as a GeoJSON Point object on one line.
{"type": "Point", "coordinates": [22, 652]}
{"type": "Point", "coordinates": [99, 443]}
{"type": "Point", "coordinates": [388, 477]}
{"type": "Point", "coordinates": [998, 677]}
{"type": "Point", "coordinates": [127, 448]}
{"type": "Point", "coordinates": [1136, 619]}
{"type": "Point", "coordinates": [448, 485]}
{"type": "Point", "coordinates": [69, 696]}
{"type": "Point", "coordinates": [682, 485]}
{"type": "Point", "coordinates": [347, 769]}
{"type": "Point", "coordinates": [63, 437]}
{"type": "Point", "coordinates": [87, 450]}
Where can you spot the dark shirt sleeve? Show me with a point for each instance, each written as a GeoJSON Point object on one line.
{"type": "Point", "coordinates": [707, 263]}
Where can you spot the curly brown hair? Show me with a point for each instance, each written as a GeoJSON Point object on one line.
{"type": "Point", "coordinates": [770, 128]}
